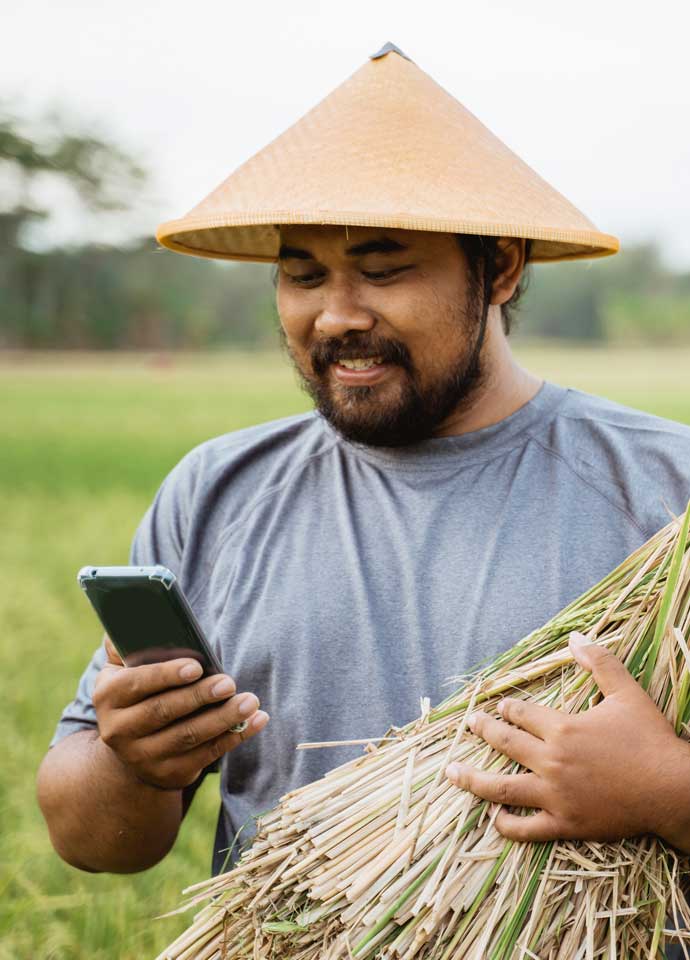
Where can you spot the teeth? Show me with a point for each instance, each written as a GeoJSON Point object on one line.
{"type": "Point", "coordinates": [361, 363]}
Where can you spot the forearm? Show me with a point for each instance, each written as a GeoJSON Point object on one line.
{"type": "Point", "coordinates": [100, 817]}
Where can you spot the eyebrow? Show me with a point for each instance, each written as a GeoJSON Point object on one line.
{"type": "Point", "coordinates": [382, 245]}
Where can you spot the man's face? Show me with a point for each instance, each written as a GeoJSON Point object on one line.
{"type": "Point", "coordinates": [382, 326]}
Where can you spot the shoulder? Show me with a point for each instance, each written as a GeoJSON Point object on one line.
{"type": "Point", "coordinates": [217, 483]}
{"type": "Point", "coordinates": [639, 459]}
{"type": "Point", "coordinates": [601, 426]}
{"type": "Point", "coordinates": [238, 467]}
{"type": "Point", "coordinates": [267, 448]}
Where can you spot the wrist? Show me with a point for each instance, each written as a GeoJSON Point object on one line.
{"type": "Point", "coordinates": [672, 798]}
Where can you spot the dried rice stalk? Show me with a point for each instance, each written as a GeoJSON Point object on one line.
{"type": "Point", "coordinates": [384, 858]}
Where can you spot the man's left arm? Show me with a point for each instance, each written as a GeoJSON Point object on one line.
{"type": "Point", "coordinates": [616, 770]}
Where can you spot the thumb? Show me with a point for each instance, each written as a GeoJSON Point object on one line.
{"type": "Point", "coordinates": [111, 654]}
{"type": "Point", "coordinates": [610, 675]}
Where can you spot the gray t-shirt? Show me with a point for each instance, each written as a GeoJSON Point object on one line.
{"type": "Point", "coordinates": [341, 582]}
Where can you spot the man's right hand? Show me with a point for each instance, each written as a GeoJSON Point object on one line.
{"type": "Point", "coordinates": [148, 717]}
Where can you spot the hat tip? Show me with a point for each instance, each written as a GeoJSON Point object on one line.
{"type": "Point", "coordinates": [388, 48]}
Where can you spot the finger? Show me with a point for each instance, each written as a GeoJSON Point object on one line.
{"type": "Point", "coordinates": [193, 732]}
{"type": "Point", "coordinates": [134, 684]}
{"type": "Point", "coordinates": [609, 673]}
{"type": "Point", "coordinates": [229, 741]}
{"type": "Point", "coordinates": [512, 789]}
{"type": "Point", "coordinates": [510, 741]}
{"type": "Point", "coordinates": [534, 718]}
{"type": "Point", "coordinates": [534, 827]}
{"type": "Point", "coordinates": [255, 725]}
{"type": "Point", "coordinates": [111, 654]}
{"type": "Point", "coordinates": [160, 710]}
{"type": "Point", "coordinates": [185, 769]}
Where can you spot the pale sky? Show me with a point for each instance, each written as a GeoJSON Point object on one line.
{"type": "Point", "coordinates": [594, 95]}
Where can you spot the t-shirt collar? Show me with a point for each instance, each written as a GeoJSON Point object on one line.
{"type": "Point", "coordinates": [464, 449]}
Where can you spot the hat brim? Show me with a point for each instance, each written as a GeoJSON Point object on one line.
{"type": "Point", "coordinates": [256, 237]}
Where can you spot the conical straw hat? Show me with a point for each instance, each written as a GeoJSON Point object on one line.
{"type": "Point", "coordinates": [387, 148]}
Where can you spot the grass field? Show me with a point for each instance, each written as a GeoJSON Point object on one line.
{"type": "Point", "coordinates": [85, 441]}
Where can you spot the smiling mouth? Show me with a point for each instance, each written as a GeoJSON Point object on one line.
{"type": "Point", "coordinates": [362, 371]}
{"type": "Point", "coordinates": [360, 363]}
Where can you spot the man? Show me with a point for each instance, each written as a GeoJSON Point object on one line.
{"type": "Point", "coordinates": [441, 503]}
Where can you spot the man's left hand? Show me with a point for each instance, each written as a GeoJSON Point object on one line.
{"type": "Point", "coordinates": [616, 770]}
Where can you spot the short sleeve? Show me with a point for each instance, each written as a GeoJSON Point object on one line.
{"type": "Point", "coordinates": [159, 538]}
{"type": "Point", "coordinates": [80, 713]}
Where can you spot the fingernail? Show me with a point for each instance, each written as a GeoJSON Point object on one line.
{"type": "Point", "coordinates": [247, 704]}
{"type": "Point", "coordinates": [471, 720]}
{"type": "Point", "coordinates": [259, 720]}
{"type": "Point", "coordinates": [500, 707]}
{"type": "Point", "coordinates": [453, 771]}
{"type": "Point", "coordinates": [578, 640]}
{"type": "Point", "coordinates": [224, 688]}
{"type": "Point", "coordinates": [191, 671]}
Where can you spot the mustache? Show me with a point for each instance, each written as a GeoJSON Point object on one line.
{"type": "Point", "coordinates": [332, 350]}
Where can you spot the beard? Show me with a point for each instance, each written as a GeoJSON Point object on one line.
{"type": "Point", "coordinates": [360, 416]}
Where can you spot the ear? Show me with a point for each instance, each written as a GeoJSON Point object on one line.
{"type": "Point", "coordinates": [510, 263]}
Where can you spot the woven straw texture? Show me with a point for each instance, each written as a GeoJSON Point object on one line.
{"type": "Point", "coordinates": [387, 148]}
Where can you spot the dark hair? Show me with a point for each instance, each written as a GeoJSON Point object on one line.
{"type": "Point", "coordinates": [486, 260]}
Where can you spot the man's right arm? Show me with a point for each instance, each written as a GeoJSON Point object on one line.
{"type": "Point", "coordinates": [113, 797]}
{"type": "Point", "coordinates": [100, 816]}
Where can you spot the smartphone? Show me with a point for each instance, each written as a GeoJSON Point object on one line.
{"type": "Point", "coordinates": [146, 615]}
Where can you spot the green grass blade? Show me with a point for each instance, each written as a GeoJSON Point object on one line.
{"type": "Point", "coordinates": [406, 894]}
{"type": "Point", "coordinates": [667, 599]}
{"type": "Point", "coordinates": [506, 944]}
{"type": "Point", "coordinates": [478, 900]}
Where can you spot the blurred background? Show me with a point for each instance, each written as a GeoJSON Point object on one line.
{"type": "Point", "coordinates": [117, 357]}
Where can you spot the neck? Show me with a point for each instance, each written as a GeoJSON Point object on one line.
{"type": "Point", "coordinates": [504, 389]}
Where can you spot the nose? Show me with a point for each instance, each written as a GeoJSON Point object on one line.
{"type": "Point", "coordinates": [342, 312]}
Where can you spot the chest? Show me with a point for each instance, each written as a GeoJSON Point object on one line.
{"type": "Point", "coordinates": [384, 588]}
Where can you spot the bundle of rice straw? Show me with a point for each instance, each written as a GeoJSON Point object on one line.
{"type": "Point", "coordinates": [385, 858]}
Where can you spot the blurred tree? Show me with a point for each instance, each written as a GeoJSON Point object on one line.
{"type": "Point", "coordinates": [38, 288]}
{"type": "Point", "coordinates": [562, 300]}
{"type": "Point", "coordinates": [96, 296]}
{"type": "Point", "coordinates": [631, 297]}
{"type": "Point", "coordinates": [101, 176]}
{"type": "Point", "coordinates": [137, 296]}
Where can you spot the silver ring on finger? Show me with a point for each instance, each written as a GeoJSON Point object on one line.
{"type": "Point", "coordinates": [239, 727]}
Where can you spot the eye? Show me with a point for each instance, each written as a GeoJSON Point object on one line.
{"type": "Point", "coordinates": [383, 275]}
{"type": "Point", "coordinates": [305, 279]}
